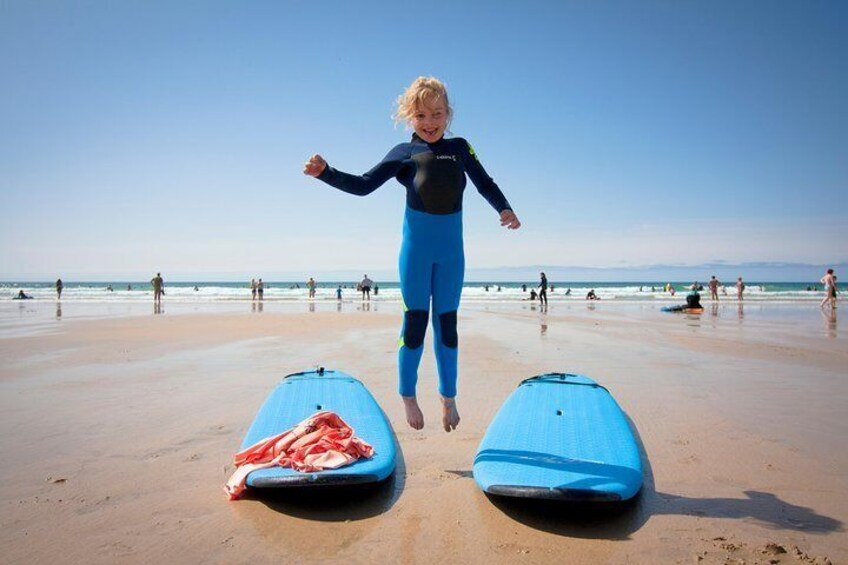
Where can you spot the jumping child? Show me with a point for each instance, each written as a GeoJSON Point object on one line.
{"type": "Point", "coordinates": [432, 259]}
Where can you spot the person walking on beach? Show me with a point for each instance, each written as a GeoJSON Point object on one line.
{"type": "Point", "coordinates": [740, 288]}
{"type": "Point", "coordinates": [829, 282]}
{"type": "Point", "coordinates": [365, 287]}
{"type": "Point", "coordinates": [543, 290]}
{"type": "Point", "coordinates": [714, 284]}
{"type": "Point", "coordinates": [260, 289]}
{"type": "Point", "coordinates": [433, 170]}
{"type": "Point", "coordinates": [310, 284]}
{"type": "Point", "coordinates": [158, 288]}
{"type": "Point", "coordinates": [253, 288]}
{"type": "Point", "coordinates": [59, 287]}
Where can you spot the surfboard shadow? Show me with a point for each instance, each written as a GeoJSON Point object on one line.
{"type": "Point", "coordinates": [618, 520]}
{"type": "Point", "coordinates": [337, 503]}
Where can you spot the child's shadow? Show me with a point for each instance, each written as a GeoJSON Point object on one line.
{"type": "Point", "coordinates": [619, 520]}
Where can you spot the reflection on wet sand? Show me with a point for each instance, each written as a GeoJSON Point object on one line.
{"type": "Point", "coordinates": [830, 322]}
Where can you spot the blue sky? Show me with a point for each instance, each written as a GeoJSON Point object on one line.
{"type": "Point", "coordinates": [169, 136]}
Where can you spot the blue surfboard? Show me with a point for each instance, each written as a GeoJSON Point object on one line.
{"type": "Point", "coordinates": [562, 437]}
{"type": "Point", "coordinates": [301, 395]}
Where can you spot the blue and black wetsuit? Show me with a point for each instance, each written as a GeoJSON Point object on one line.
{"type": "Point", "coordinates": [432, 258]}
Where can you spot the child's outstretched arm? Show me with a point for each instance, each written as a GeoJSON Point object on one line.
{"type": "Point", "coordinates": [359, 185]}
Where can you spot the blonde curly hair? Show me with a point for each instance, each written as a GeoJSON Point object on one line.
{"type": "Point", "coordinates": [422, 90]}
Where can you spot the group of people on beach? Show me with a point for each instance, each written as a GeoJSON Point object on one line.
{"type": "Point", "coordinates": [257, 289]}
{"type": "Point", "coordinates": [714, 285]}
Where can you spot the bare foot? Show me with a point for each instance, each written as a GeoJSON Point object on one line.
{"type": "Point", "coordinates": [450, 417]}
{"type": "Point", "coordinates": [414, 417]}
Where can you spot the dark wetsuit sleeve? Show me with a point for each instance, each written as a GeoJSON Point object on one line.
{"type": "Point", "coordinates": [361, 185]}
{"type": "Point", "coordinates": [484, 183]}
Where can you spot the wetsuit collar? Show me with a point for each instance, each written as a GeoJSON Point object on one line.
{"type": "Point", "coordinates": [416, 138]}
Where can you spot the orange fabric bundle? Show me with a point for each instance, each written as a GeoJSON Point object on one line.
{"type": "Point", "coordinates": [322, 441]}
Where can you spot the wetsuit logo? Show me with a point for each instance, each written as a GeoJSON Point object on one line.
{"type": "Point", "coordinates": [451, 157]}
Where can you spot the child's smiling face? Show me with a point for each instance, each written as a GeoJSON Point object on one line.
{"type": "Point", "coordinates": [430, 120]}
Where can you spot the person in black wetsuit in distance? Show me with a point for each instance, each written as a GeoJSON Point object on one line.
{"type": "Point", "coordinates": [693, 300]}
{"type": "Point", "coordinates": [543, 290]}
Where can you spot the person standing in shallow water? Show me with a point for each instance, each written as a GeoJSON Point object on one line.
{"type": "Point", "coordinates": [59, 287]}
{"type": "Point", "coordinates": [365, 287]}
{"type": "Point", "coordinates": [829, 282]}
{"type": "Point", "coordinates": [433, 170]}
{"type": "Point", "coordinates": [740, 288]}
{"type": "Point", "coordinates": [158, 288]}
{"type": "Point", "coordinates": [714, 284]}
{"type": "Point", "coordinates": [543, 290]}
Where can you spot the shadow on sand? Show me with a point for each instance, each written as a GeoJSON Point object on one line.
{"type": "Point", "coordinates": [616, 521]}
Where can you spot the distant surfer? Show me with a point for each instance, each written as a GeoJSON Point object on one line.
{"type": "Point", "coordinates": [693, 300]}
{"type": "Point", "coordinates": [433, 170]}
{"type": "Point", "coordinates": [158, 288]}
{"type": "Point", "coordinates": [543, 290]}
{"type": "Point", "coordinates": [693, 303]}
{"type": "Point", "coordinates": [59, 287]}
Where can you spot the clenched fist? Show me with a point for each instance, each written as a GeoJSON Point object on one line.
{"type": "Point", "coordinates": [314, 166]}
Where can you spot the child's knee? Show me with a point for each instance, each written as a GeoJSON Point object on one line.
{"type": "Point", "coordinates": [414, 327]}
{"type": "Point", "coordinates": [447, 324]}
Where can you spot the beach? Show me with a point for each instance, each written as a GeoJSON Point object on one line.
{"type": "Point", "coordinates": [119, 426]}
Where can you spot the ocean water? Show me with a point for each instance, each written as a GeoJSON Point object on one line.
{"type": "Point", "coordinates": [201, 291]}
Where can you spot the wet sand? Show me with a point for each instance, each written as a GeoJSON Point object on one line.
{"type": "Point", "coordinates": [118, 427]}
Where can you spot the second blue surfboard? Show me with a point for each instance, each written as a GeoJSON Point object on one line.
{"type": "Point", "coordinates": [563, 437]}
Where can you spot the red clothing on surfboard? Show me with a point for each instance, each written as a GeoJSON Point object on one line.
{"type": "Point", "coordinates": [322, 441]}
